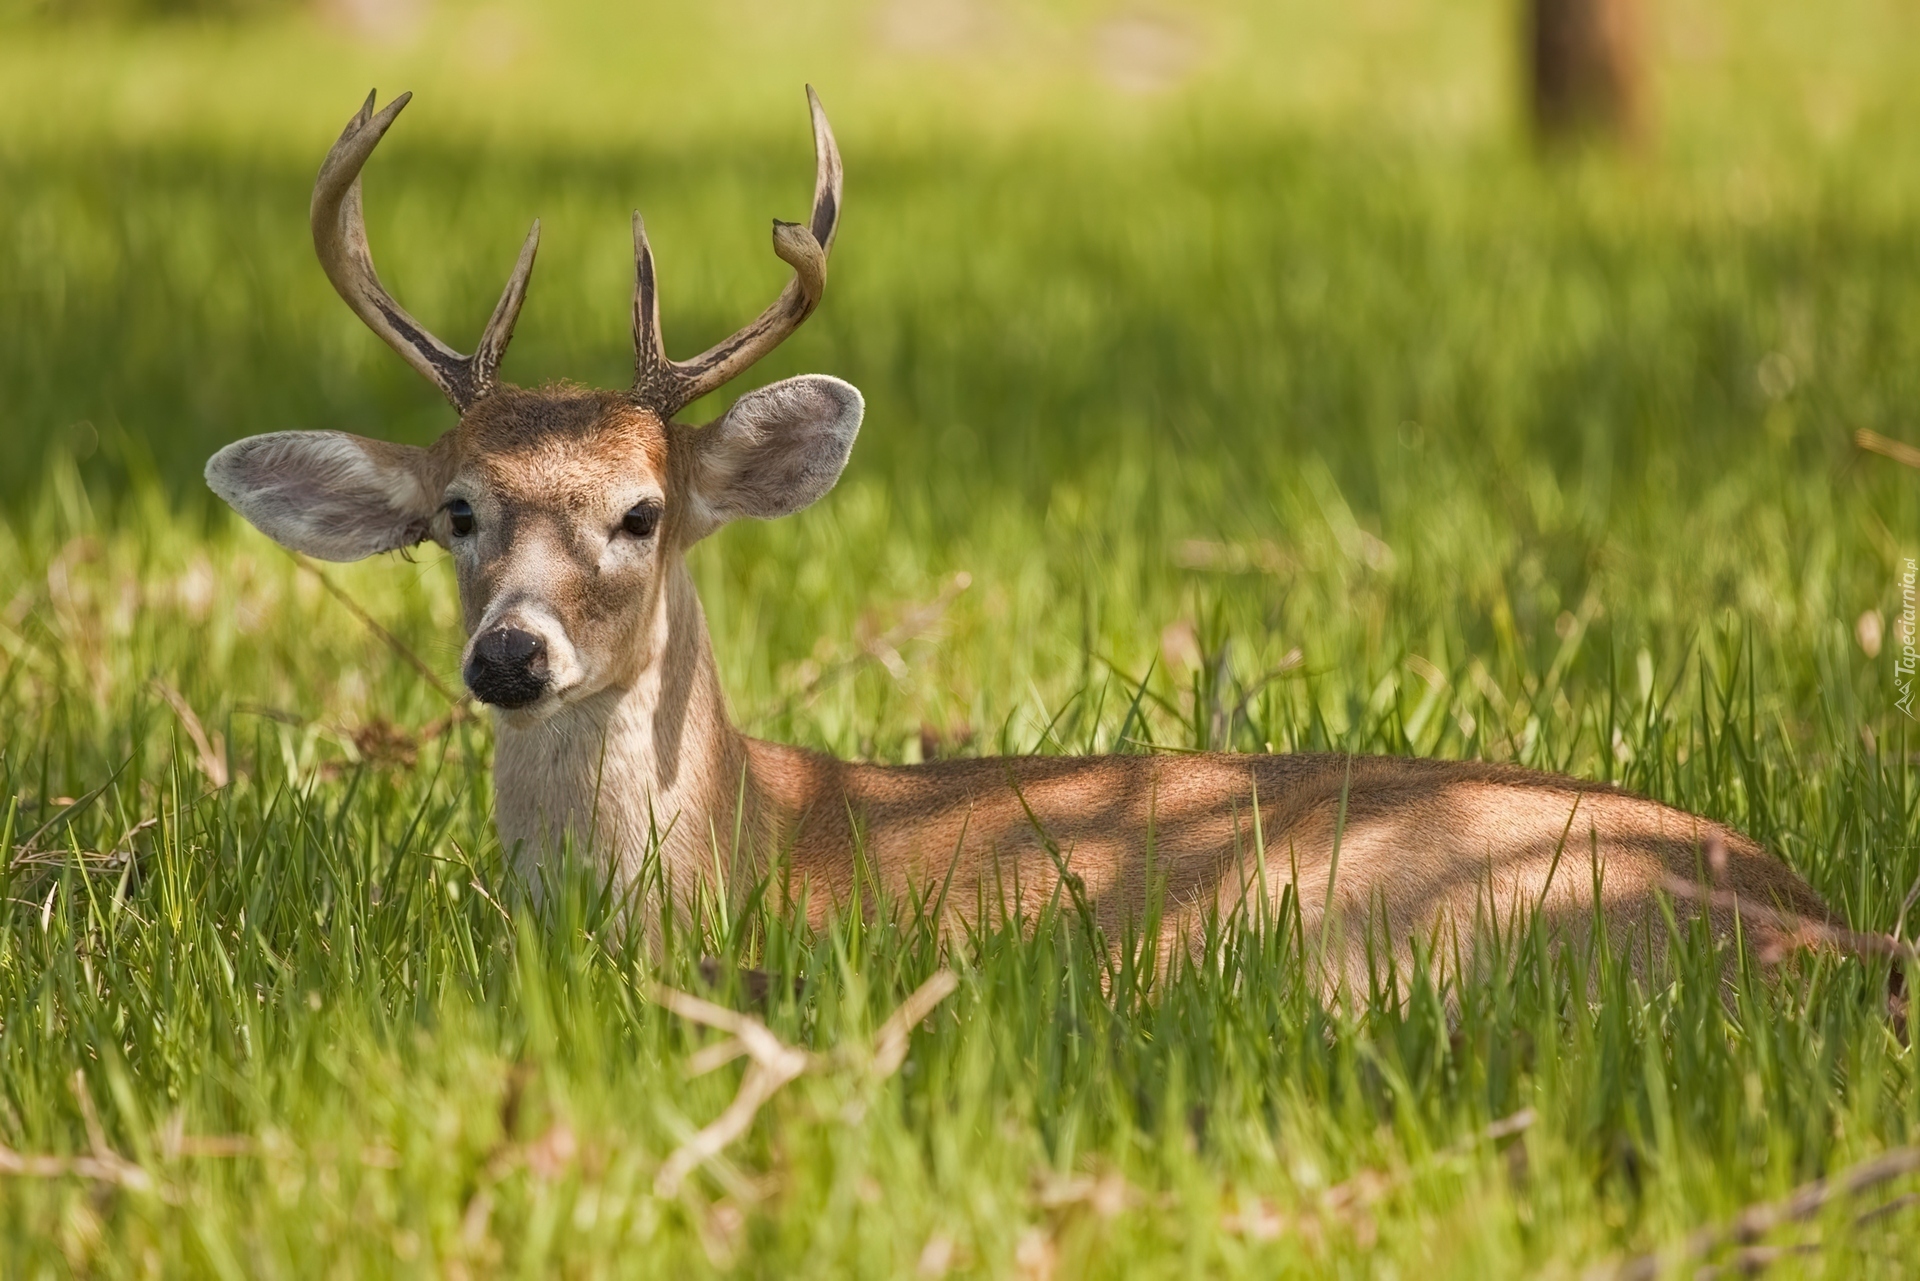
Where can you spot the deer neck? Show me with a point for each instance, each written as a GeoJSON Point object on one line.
{"type": "Point", "coordinates": [653, 759]}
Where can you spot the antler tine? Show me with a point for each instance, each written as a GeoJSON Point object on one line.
{"type": "Point", "coordinates": [827, 177]}
{"type": "Point", "coordinates": [340, 238]}
{"type": "Point", "coordinates": [651, 368]}
{"type": "Point", "coordinates": [499, 331]}
{"type": "Point", "coordinates": [668, 385]}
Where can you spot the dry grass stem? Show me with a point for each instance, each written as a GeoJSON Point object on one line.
{"type": "Point", "coordinates": [1803, 1203]}
{"type": "Point", "coordinates": [775, 1063]}
{"type": "Point", "coordinates": [1898, 450]}
{"type": "Point", "coordinates": [210, 753]}
{"type": "Point", "coordinates": [890, 1043]}
{"type": "Point", "coordinates": [108, 1168]}
{"type": "Point", "coordinates": [373, 625]}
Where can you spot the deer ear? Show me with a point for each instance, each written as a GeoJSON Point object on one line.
{"type": "Point", "coordinates": [329, 494]}
{"type": "Point", "coordinates": [776, 451]}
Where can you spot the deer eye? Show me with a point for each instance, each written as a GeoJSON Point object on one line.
{"type": "Point", "coordinates": [460, 516]}
{"type": "Point", "coordinates": [641, 519]}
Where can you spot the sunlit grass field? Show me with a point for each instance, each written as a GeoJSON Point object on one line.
{"type": "Point", "coordinates": [1237, 377]}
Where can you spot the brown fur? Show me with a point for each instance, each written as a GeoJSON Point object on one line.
{"type": "Point", "coordinates": [1424, 848]}
{"type": "Point", "coordinates": [633, 747]}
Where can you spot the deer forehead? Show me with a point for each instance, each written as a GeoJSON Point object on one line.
{"type": "Point", "coordinates": [562, 451]}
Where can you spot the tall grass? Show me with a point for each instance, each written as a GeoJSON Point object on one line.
{"type": "Point", "coordinates": [1250, 425]}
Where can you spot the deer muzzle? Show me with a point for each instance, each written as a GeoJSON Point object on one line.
{"type": "Point", "coordinates": [508, 667]}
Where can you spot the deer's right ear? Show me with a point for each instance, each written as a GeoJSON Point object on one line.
{"type": "Point", "coordinates": [329, 494]}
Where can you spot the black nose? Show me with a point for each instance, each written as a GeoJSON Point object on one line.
{"type": "Point", "coordinates": [508, 667]}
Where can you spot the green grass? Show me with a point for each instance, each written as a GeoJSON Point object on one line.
{"type": "Point", "coordinates": [1305, 368]}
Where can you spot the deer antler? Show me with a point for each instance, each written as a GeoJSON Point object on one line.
{"type": "Point", "coordinates": [668, 385]}
{"type": "Point", "coordinates": [340, 238]}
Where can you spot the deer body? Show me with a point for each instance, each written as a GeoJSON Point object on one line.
{"type": "Point", "coordinates": [1415, 851]}
{"type": "Point", "coordinates": [568, 513]}
{"type": "Point", "coordinates": [1409, 850]}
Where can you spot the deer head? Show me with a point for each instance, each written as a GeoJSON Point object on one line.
{"type": "Point", "coordinates": [565, 509]}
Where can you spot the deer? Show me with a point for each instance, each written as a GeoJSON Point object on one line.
{"type": "Point", "coordinates": [568, 514]}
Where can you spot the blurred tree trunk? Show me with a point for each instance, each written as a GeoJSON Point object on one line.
{"type": "Point", "coordinates": [1586, 68]}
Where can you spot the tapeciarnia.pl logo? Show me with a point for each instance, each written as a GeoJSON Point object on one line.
{"type": "Point", "coordinates": [1907, 659]}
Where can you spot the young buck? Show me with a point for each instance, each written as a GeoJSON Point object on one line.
{"type": "Point", "coordinates": [568, 514]}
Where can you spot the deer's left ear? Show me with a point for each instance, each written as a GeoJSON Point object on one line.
{"type": "Point", "coordinates": [330, 494]}
{"type": "Point", "coordinates": [776, 451]}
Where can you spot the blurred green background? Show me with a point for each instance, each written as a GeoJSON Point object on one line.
{"type": "Point", "coordinates": [1268, 312]}
{"type": "Point", "coordinates": [1073, 229]}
